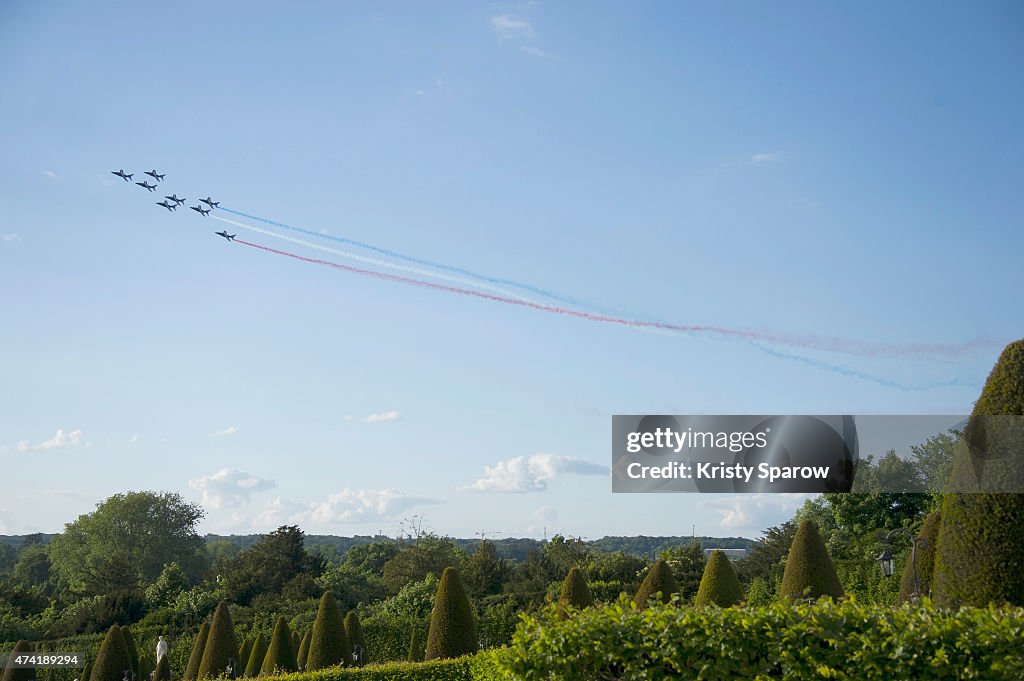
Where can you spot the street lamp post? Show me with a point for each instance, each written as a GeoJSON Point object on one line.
{"type": "Point", "coordinates": [888, 563]}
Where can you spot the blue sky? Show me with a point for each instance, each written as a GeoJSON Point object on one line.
{"type": "Point", "coordinates": [841, 171]}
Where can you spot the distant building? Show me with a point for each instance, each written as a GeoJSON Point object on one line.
{"type": "Point", "coordinates": [731, 554]}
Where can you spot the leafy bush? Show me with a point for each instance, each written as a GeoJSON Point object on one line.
{"type": "Point", "coordinates": [452, 622]}
{"type": "Point", "coordinates": [328, 644]}
{"type": "Point", "coordinates": [835, 640]}
{"type": "Point", "coordinates": [479, 667]}
{"type": "Point", "coordinates": [659, 582]}
{"type": "Point", "coordinates": [221, 646]}
{"type": "Point", "coordinates": [719, 585]}
{"type": "Point", "coordinates": [281, 655]}
{"type": "Point", "coordinates": [809, 570]}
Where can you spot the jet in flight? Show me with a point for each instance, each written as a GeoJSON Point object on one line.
{"type": "Point", "coordinates": [177, 201]}
{"type": "Point", "coordinates": [146, 185]}
{"type": "Point", "coordinates": [199, 209]}
{"type": "Point", "coordinates": [123, 175]}
{"type": "Point", "coordinates": [156, 176]}
{"type": "Point", "coordinates": [168, 206]}
{"type": "Point", "coordinates": [210, 202]}
{"type": "Point", "coordinates": [229, 237]}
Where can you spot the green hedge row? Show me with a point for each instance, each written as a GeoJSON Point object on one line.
{"type": "Point", "coordinates": [480, 667]}
{"type": "Point", "coordinates": [825, 640]}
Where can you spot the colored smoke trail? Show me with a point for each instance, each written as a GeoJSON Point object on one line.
{"type": "Point", "coordinates": [422, 261]}
{"type": "Point", "coordinates": [370, 261]}
{"type": "Point", "coordinates": [739, 334]}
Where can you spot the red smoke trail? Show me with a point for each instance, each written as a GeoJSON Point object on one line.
{"type": "Point", "coordinates": [828, 344]}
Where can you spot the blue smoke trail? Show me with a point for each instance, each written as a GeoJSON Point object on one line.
{"type": "Point", "coordinates": [854, 373]}
{"type": "Point", "coordinates": [428, 263]}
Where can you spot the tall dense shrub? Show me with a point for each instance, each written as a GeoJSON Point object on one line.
{"type": "Point", "coordinates": [303, 654]}
{"type": "Point", "coordinates": [328, 644]}
{"type": "Point", "coordinates": [924, 559]}
{"type": "Point", "coordinates": [452, 624]}
{"type": "Point", "coordinates": [354, 636]}
{"type": "Point", "coordinates": [198, 647]}
{"type": "Point", "coordinates": [575, 592]}
{"type": "Point", "coordinates": [280, 656]}
{"type": "Point", "coordinates": [809, 570]}
{"type": "Point", "coordinates": [719, 586]}
{"type": "Point", "coordinates": [243, 654]}
{"type": "Point", "coordinates": [256, 655]}
{"type": "Point", "coordinates": [979, 554]}
{"type": "Point", "coordinates": [10, 673]}
{"type": "Point", "coordinates": [659, 581]}
{"type": "Point", "coordinates": [221, 646]}
{"type": "Point", "coordinates": [113, 658]}
{"type": "Point", "coordinates": [163, 670]}
{"type": "Point", "coordinates": [133, 651]}
{"type": "Point", "coordinates": [415, 648]}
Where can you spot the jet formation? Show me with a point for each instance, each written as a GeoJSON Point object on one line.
{"type": "Point", "coordinates": [172, 202]}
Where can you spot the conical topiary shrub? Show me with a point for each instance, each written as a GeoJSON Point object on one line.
{"type": "Point", "coordinates": [163, 670]}
{"type": "Point", "coordinates": [328, 643]}
{"type": "Point", "coordinates": [719, 586]}
{"type": "Point", "coordinates": [133, 651]}
{"type": "Point", "coordinates": [280, 656]}
{"type": "Point", "coordinates": [303, 654]}
{"type": "Point", "coordinates": [452, 625]}
{"type": "Point", "coordinates": [256, 656]}
{"type": "Point", "coordinates": [198, 647]}
{"type": "Point", "coordinates": [296, 642]}
{"type": "Point", "coordinates": [113, 658]}
{"type": "Point", "coordinates": [979, 552]}
{"type": "Point", "coordinates": [809, 570]}
{"type": "Point", "coordinates": [243, 655]}
{"type": "Point", "coordinates": [86, 672]}
{"type": "Point", "coordinates": [10, 673]}
{"type": "Point", "coordinates": [575, 593]}
{"type": "Point", "coordinates": [145, 666]}
{"type": "Point", "coordinates": [925, 559]}
{"type": "Point", "coordinates": [221, 646]}
{"type": "Point", "coordinates": [355, 638]}
{"type": "Point", "coordinates": [415, 647]}
{"type": "Point", "coordinates": [659, 580]}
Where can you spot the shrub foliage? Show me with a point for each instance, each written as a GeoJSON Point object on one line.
{"type": "Point", "coordinates": [221, 645]}
{"type": "Point", "coordinates": [659, 580]}
{"type": "Point", "coordinates": [113, 657]}
{"type": "Point", "coordinates": [328, 644]}
{"type": "Point", "coordinates": [280, 656]}
{"type": "Point", "coordinates": [809, 570]}
{"type": "Point", "coordinates": [719, 586]}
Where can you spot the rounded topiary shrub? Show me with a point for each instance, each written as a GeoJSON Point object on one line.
{"type": "Point", "coordinates": [575, 593]}
{"type": "Point", "coordinates": [198, 647]}
{"type": "Point", "coordinates": [452, 623]}
{"type": "Point", "coordinates": [10, 673]}
{"type": "Point", "coordinates": [280, 655]}
{"type": "Point", "coordinates": [659, 582]}
{"type": "Point", "coordinates": [356, 639]}
{"type": "Point", "coordinates": [328, 642]}
{"type": "Point", "coordinates": [924, 560]}
{"type": "Point", "coordinates": [113, 658]}
{"type": "Point", "coordinates": [979, 553]}
{"type": "Point", "coordinates": [809, 570]}
{"type": "Point", "coordinates": [133, 651]}
{"type": "Point", "coordinates": [256, 655]}
{"type": "Point", "coordinates": [221, 646]}
{"type": "Point", "coordinates": [719, 586]}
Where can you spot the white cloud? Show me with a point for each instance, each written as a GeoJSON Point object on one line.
{"type": "Point", "coordinates": [362, 506]}
{"type": "Point", "coordinates": [507, 26]}
{"type": "Point", "coordinates": [754, 511]}
{"type": "Point", "coordinates": [62, 439]}
{"type": "Point", "coordinates": [50, 174]}
{"type": "Point", "coordinates": [134, 439]}
{"type": "Point", "coordinates": [227, 432]}
{"type": "Point", "coordinates": [280, 512]}
{"type": "Point", "coordinates": [229, 487]}
{"type": "Point", "coordinates": [532, 473]}
{"type": "Point", "coordinates": [765, 158]}
{"type": "Point", "coordinates": [419, 93]}
{"type": "Point", "coordinates": [9, 237]}
{"type": "Point", "coordinates": [384, 417]}
{"type": "Point", "coordinates": [535, 51]}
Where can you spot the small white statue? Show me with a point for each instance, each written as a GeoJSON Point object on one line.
{"type": "Point", "coordinates": [161, 649]}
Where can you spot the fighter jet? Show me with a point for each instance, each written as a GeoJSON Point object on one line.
{"type": "Point", "coordinates": [168, 206]}
{"type": "Point", "coordinates": [123, 175]}
{"type": "Point", "coordinates": [229, 237]}
{"type": "Point", "coordinates": [156, 176]}
{"type": "Point", "coordinates": [146, 185]}
{"type": "Point", "coordinates": [177, 201]}
{"type": "Point", "coordinates": [199, 209]}
{"type": "Point", "coordinates": [210, 202]}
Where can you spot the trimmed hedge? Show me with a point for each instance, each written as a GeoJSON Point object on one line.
{"type": "Point", "coordinates": [221, 645]}
{"type": "Point", "coordinates": [809, 570]}
{"type": "Point", "coordinates": [13, 674]}
{"type": "Point", "coordinates": [481, 667]}
{"type": "Point", "coordinates": [256, 655]}
{"type": "Point", "coordinates": [452, 622]}
{"type": "Point", "coordinates": [925, 560]}
{"type": "Point", "coordinates": [659, 580]}
{"type": "Point", "coordinates": [575, 592]}
{"type": "Point", "coordinates": [355, 637]}
{"type": "Point", "coordinates": [113, 657]}
{"type": "Point", "coordinates": [719, 585]}
{"type": "Point", "coordinates": [280, 656]}
{"type": "Point", "coordinates": [328, 643]}
{"type": "Point", "coordinates": [798, 641]}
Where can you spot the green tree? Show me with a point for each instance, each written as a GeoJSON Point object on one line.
{"type": "Point", "coordinates": [979, 554]}
{"type": "Point", "coordinates": [485, 572]}
{"type": "Point", "coordinates": [113, 658]}
{"type": "Point", "coordinates": [452, 624]}
{"type": "Point", "coordinates": [256, 657]}
{"type": "Point", "coordinates": [198, 647]}
{"type": "Point", "coordinates": [141, 531]}
{"type": "Point", "coordinates": [719, 586]}
{"type": "Point", "coordinates": [221, 646]}
{"type": "Point", "coordinates": [924, 559]}
{"type": "Point", "coordinates": [759, 593]}
{"type": "Point", "coordinates": [429, 554]}
{"type": "Point", "coordinates": [809, 571]}
{"type": "Point", "coordinates": [12, 673]}
{"type": "Point", "coordinates": [280, 656]}
{"type": "Point", "coordinates": [328, 644]}
{"type": "Point", "coordinates": [269, 564]}
{"type": "Point", "coordinates": [165, 590]}
{"type": "Point", "coordinates": [355, 637]}
{"type": "Point", "coordinates": [659, 582]}
{"type": "Point", "coordinates": [766, 559]}
{"type": "Point", "coordinates": [687, 563]}
{"type": "Point", "coordinates": [575, 592]}
{"type": "Point", "coordinates": [565, 554]}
